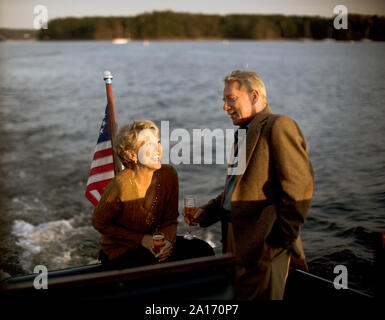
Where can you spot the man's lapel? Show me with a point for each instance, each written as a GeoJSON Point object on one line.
{"type": "Point", "coordinates": [252, 137]}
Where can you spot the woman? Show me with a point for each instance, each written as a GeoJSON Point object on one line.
{"type": "Point", "coordinates": [139, 201]}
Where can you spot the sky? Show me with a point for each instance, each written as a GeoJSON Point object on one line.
{"type": "Point", "coordinates": [20, 13]}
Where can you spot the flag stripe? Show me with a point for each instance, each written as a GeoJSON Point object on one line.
{"type": "Point", "coordinates": [91, 198]}
{"type": "Point", "coordinates": [103, 145]}
{"type": "Point", "coordinates": [100, 177]}
{"type": "Point", "coordinates": [96, 194]}
{"type": "Point", "coordinates": [101, 161]}
{"type": "Point", "coordinates": [102, 153]}
{"type": "Point", "coordinates": [99, 185]}
{"type": "Point", "coordinates": [101, 169]}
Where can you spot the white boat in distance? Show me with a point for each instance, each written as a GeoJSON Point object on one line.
{"type": "Point", "coordinates": [121, 40]}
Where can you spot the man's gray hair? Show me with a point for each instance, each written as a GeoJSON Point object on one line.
{"type": "Point", "coordinates": [248, 81]}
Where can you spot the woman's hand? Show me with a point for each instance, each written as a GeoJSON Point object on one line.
{"type": "Point", "coordinates": [147, 242]}
{"type": "Point", "coordinates": [165, 251]}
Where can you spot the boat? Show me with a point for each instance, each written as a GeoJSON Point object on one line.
{"type": "Point", "coordinates": [205, 278]}
{"type": "Point", "coordinates": [120, 41]}
{"type": "Point", "coordinates": [199, 278]}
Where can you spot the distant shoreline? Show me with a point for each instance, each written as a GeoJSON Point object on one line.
{"type": "Point", "coordinates": [193, 40]}
{"type": "Point", "coordinates": [174, 26]}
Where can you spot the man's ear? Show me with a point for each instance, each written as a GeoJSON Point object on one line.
{"type": "Point", "coordinates": [254, 96]}
{"type": "Point", "coordinates": [131, 155]}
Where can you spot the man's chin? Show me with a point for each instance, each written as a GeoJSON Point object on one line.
{"type": "Point", "coordinates": [237, 122]}
{"type": "Point", "coordinates": [241, 122]}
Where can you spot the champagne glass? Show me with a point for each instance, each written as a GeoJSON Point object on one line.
{"type": "Point", "coordinates": [158, 241]}
{"type": "Point", "coordinates": [190, 208]}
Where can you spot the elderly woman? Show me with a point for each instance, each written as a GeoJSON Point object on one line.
{"type": "Point", "coordinates": [139, 201]}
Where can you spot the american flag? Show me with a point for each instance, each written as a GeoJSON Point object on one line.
{"type": "Point", "coordinates": [102, 166]}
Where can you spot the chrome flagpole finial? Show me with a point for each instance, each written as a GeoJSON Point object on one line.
{"type": "Point", "coordinates": [108, 76]}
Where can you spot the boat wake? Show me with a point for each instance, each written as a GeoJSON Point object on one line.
{"type": "Point", "coordinates": [55, 244]}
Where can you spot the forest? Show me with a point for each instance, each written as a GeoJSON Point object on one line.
{"type": "Point", "coordinates": [169, 25]}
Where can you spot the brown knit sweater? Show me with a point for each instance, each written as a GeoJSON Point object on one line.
{"type": "Point", "coordinates": [123, 218]}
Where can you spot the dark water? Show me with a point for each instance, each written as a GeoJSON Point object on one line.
{"type": "Point", "coordinates": [53, 98]}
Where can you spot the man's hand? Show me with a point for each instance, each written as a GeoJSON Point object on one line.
{"type": "Point", "coordinates": [196, 219]}
{"type": "Point", "coordinates": [299, 263]}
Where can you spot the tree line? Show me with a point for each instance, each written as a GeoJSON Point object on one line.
{"type": "Point", "coordinates": [25, 34]}
{"type": "Point", "coordinates": [162, 25]}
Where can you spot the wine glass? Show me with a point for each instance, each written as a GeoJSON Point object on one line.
{"type": "Point", "coordinates": [189, 211]}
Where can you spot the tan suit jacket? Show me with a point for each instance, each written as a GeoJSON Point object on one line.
{"type": "Point", "coordinates": [270, 200]}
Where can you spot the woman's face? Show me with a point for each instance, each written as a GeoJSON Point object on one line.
{"type": "Point", "coordinates": [150, 152]}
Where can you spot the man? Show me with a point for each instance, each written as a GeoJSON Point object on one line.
{"type": "Point", "coordinates": [263, 207]}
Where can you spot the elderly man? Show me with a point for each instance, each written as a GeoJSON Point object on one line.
{"type": "Point", "coordinates": [264, 205]}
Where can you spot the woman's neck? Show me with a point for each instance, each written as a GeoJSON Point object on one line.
{"type": "Point", "coordinates": [143, 177]}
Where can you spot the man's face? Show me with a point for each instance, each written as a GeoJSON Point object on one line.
{"type": "Point", "coordinates": [238, 104]}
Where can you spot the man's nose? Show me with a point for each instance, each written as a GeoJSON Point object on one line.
{"type": "Point", "coordinates": [226, 106]}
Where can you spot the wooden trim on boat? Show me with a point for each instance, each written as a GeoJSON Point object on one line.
{"type": "Point", "coordinates": [144, 272]}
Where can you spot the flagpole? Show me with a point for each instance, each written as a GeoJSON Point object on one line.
{"type": "Point", "coordinates": [112, 118]}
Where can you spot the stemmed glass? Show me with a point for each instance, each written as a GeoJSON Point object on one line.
{"type": "Point", "coordinates": [189, 211]}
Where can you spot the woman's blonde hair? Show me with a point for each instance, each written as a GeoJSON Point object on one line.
{"type": "Point", "coordinates": [127, 140]}
{"type": "Point", "coordinates": [248, 81]}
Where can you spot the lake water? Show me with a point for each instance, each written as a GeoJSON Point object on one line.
{"type": "Point", "coordinates": [52, 101]}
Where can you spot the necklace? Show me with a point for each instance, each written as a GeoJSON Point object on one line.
{"type": "Point", "coordinates": [134, 186]}
{"type": "Point", "coordinates": [150, 218]}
